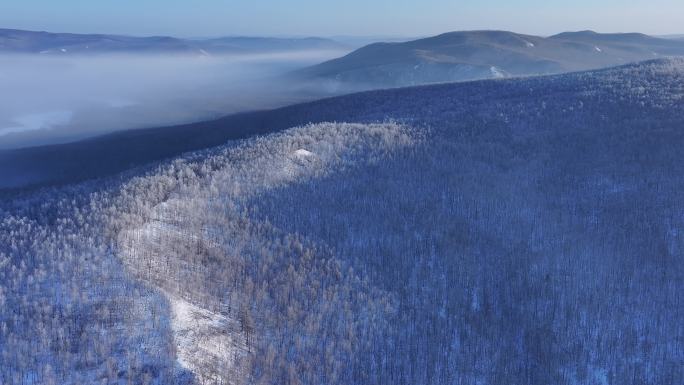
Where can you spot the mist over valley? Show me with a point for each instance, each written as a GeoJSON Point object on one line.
{"type": "Point", "coordinates": [350, 193]}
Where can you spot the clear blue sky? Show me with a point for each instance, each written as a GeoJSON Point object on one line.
{"type": "Point", "coordinates": [340, 17]}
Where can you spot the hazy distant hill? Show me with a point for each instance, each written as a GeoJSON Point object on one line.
{"type": "Point", "coordinates": [623, 46]}
{"type": "Point", "coordinates": [18, 41]}
{"type": "Point", "coordinates": [268, 44]}
{"type": "Point", "coordinates": [459, 56]}
{"type": "Point", "coordinates": [676, 36]}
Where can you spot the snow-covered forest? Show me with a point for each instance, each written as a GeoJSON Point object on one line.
{"type": "Point", "coordinates": [521, 231]}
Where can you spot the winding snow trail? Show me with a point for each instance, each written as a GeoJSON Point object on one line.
{"type": "Point", "coordinates": [206, 342]}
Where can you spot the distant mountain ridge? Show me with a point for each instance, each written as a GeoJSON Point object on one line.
{"type": "Point", "coordinates": [31, 42]}
{"type": "Point", "coordinates": [471, 55]}
{"type": "Point", "coordinates": [675, 36]}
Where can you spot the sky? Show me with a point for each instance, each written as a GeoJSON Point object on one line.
{"type": "Point", "coordinates": [409, 18]}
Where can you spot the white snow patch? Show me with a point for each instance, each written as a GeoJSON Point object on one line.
{"type": "Point", "coordinates": [303, 153]}
{"type": "Point", "coordinates": [497, 73]}
{"type": "Point", "coordinates": [528, 44]}
{"type": "Point", "coordinates": [205, 340]}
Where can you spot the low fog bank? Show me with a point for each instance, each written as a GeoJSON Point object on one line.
{"type": "Point", "coordinates": [47, 99]}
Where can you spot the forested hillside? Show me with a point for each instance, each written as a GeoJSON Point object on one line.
{"type": "Point", "coordinates": [505, 232]}
{"type": "Point", "coordinates": [471, 55]}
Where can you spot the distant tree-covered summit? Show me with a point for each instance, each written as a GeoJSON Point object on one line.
{"type": "Point", "coordinates": [469, 55]}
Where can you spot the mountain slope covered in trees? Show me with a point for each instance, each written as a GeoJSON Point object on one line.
{"type": "Point", "coordinates": [469, 55]}
{"type": "Point", "coordinates": [522, 231]}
